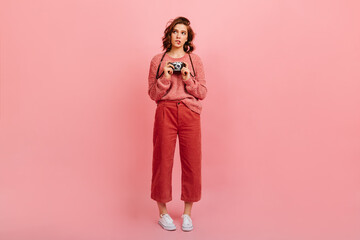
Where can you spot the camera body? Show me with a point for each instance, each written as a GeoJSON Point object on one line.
{"type": "Point", "coordinates": [178, 66]}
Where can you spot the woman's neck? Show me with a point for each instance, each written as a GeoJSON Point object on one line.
{"type": "Point", "coordinates": [176, 52]}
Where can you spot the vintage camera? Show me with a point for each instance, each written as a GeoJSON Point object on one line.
{"type": "Point", "coordinates": [178, 66]}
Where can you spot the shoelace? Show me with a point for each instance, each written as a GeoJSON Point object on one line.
{"type": "Point", "coordinates": [187, 218]}
{"type": "Point", "coordinates": [168, 218]}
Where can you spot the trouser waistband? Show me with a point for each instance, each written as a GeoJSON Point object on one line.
{"type": "Point", "coordinates": [178, 102]}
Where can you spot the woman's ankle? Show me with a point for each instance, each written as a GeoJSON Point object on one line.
{"type": "Point", "coordinates": [162, 208]}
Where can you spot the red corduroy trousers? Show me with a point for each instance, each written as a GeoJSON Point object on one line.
{"type": "Point", "coordinates": [174, 118]}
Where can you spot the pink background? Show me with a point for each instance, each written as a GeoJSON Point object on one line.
{"type": "Point", "coordinates": [281, 132]}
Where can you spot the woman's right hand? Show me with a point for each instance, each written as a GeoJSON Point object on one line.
{"type": "Point", "coordinates": [168, 70]}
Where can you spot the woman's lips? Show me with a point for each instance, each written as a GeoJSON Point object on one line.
{"type": "Point", "coordinates": [177, 41]}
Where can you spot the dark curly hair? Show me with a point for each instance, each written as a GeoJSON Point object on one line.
{"type": "Point", "coordinates": [188, 46]}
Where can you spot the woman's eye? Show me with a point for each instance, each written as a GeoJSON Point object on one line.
{"type": "Point", "coordinates": [184, 33]}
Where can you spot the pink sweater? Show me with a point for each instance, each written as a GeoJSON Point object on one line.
{"type": "Point", "coordinates": [190, 92]}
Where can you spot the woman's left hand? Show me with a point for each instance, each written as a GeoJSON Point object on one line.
{"type": "Point", "coordinates": [185, 72]}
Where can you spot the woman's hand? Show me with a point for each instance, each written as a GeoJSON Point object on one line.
{"type": "Point", "coordinates": [168, 70]}
{"type": "Point", "coordinates": [185, 72]}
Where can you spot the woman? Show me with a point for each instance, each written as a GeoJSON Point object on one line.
{"type": "Point", "coordinates": [177, 84]}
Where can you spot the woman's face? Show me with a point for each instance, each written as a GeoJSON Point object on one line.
{"type": "Point", "coordinates": [179, 35]}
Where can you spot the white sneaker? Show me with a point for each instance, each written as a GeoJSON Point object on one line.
{"type": "Point", "coordinates": [187, 223]}
{"type": "Point", "coordinates": [166, 222]}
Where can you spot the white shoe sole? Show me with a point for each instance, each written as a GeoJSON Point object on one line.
{"type": "Point", "coordinates": [167, 227]}
{"type": "Point", "coordinates": [187, 229]}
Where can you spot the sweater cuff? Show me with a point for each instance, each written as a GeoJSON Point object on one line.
{"type": "Point", "coordinates": [190, 82]}
{"type": "Point", "coordinates": [163, 83]}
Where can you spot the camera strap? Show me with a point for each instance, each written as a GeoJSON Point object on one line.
{"type": "Point", "coordinates": [157, 73]}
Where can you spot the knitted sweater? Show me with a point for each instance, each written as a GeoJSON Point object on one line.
{"type": "Point", "coordinates": [190, 92]}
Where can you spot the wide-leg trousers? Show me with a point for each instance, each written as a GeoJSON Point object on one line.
{"type": "Point", "coordinates": [172, 119]}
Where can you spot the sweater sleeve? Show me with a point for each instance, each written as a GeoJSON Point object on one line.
{"type": "Point", "coordinates": [157, 87]}
{"type": "Point", "coordinates": [196, 86]}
